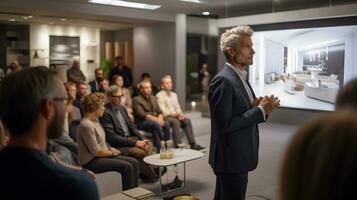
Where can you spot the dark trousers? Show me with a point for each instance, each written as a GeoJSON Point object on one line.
{"type": "Point", "coordinates": [231, 186]}
{"type": "Point", "coordinates": [158, 133]}
{"type": "Point", "coordinates": [139, 154]}
{"type": "Point", "coordinates": [126, 166]}
{"type": "Point", "coordinates": [177, 134]}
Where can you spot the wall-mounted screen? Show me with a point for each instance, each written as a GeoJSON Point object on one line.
{"type": "Point", "coordinates": [304, 67]}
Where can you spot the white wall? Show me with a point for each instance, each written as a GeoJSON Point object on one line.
{"type": "Point", "coordinates": [40, 39]}
{"type": "Point", "coordinates": [204, 26]}
{"type": "Point", "coordinates": [354, 62]}
{"type": "Point", "coordinates": [154, 51]}
{"type": "Point", "coordinates": [350, 57]}
{"type": "Point", "coordinates": [180, 68]}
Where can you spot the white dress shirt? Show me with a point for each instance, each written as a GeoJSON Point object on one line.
{"type": "Point", "coordinates": [242, 74]}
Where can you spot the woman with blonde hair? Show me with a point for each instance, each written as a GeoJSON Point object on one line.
{"type": "Point", "coordinates": [321, 161]}
{"type": "Point", "coordinates": [94, 152]}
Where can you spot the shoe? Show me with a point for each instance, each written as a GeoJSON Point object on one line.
{"type": "Point", "coordinates": [197, 147]}
{"type": "Point", "coordinates": [176, 183]}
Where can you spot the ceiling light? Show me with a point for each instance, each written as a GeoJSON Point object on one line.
{"type": "Point", "coordinates": [192, 1]}
{"type": "Point", "coordinates": [126, 4]}
{"type": "Point", "coordinates": [25, 18]}
{"type": "Point", "coordinates": [63, 19]}
{"type": "Point", "coordinates": [12, 20]}
{"type": "Point", "coordinates": [205, 13]}
{"type": "Point", "coordinates": [30, 16]}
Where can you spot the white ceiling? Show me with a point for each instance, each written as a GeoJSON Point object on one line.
{"type": "Point", "coordinates": [110, 17]}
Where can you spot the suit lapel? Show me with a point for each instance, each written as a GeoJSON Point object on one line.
{"type": "Point", "coordinates": [251, 89]}
{"type": "Point", "coordinates": [115, 118]}
{"type": "Point", "coordinates": [240, 83]}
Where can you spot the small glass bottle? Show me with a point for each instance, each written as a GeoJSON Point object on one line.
{"type": "Point", "coordinates": [169, 150]}
{"type": "Point", "coordinates": [162, 150]}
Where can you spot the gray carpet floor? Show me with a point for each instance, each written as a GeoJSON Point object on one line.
{"type": "Point", "coordinates": [200, 179]}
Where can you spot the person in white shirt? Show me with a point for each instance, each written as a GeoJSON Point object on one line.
{"type": "Point", "coordinates": [168, 103]}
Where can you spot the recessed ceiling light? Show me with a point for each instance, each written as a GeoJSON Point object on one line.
{"type": "Point", "coordinates": [192, 1]}
{"type": "Point", "coordinates": [30, 16]}
{"type": "Point", "coordinates": [25, 18]}
{"type": "Point", "coordinates": [126, 4]}
{"type": "Point", "coordinates": [12, 20]}
{"type": "Point", "coordinates": [63, 19]}
{"type": "Point", "coordinates": [205, 13]}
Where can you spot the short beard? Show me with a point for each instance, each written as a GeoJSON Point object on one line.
{"type": "Point", "coordinates": [55, 128]}
{"type": "Point", "coordinates": [241, 61]}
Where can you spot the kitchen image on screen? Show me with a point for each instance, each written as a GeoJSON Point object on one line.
{"type": "Point", "coordinates": [305, 68]}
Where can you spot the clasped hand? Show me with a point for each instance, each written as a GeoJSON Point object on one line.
{"type": "Point", "coordinates": [269, 103]}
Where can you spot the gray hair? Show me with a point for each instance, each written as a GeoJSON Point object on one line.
{"type": "Point", "coordinates": [230, 38]}
{"type": "Point", "coordinates": [112, 90]}
{"type": "Point", "coordinates": [166, 77]}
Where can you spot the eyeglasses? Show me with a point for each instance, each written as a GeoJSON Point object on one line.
{"type": "Point", "coordinates": [119, 96]}
{"type": "Point", "coordinates": [64, 99]}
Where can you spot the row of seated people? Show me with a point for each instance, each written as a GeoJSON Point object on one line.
{"type": "Point", "coordinates": [153, 114]}
{"type": "Point", "coordinates": [108, 139]}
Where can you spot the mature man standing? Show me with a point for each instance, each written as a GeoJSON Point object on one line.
{"type": "Point", "coordinates": [170, 106]}
{"type": "Point", "coordinates": [121, 133]}
{"type": "Point", "coordinates": [235, 114]}
{"type": "Point", "coordinates": [27, 172]}
{"type": "Point", "coordinates": [74, 74]}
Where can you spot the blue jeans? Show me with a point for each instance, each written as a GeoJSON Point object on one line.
{"type": "Point", "coordinates": [158, 133]}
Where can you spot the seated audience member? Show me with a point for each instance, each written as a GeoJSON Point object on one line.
{"type": "Point", "coordinates": [122, 134]}
{"type": "Point", "coordinates": [4, 137]}
{"type": "Point", "coordinates": [148, 115]}
{"type": "Point", "coordinates": [74, 74]}
{"type": "Point", "coordinates": [93, 151]}
{"type": "Point", "coordinates": [27, 172]}
{"type": "Point", "coordinates": [103, 85]}
{"type": "Point", "coordinates": [169, 104]}
{"type": "Point", "coordinates": [320, 161]}
{"type": "Point", "coordinates": [73, 114]}
{"type": "Point", "coordinates": [145, 77]}
{"type": "Point", "coordinates": [347, 96]}
{"type": "Point", "coordinates": [123, 70]}
{"type": "Point", "coordinates": [82, 90]}
{"type": "Point", "coordinates": [99, 75]}
{"type": "Point", "coordinates": [126, 100]}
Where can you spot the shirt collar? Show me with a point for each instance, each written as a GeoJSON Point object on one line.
{"type": "Point", "coordinates": [241, 73]}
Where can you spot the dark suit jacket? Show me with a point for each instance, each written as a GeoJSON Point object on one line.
{"type": "Point", "coordinates": [234, 135]}
{"type": "Point", "coordinates": [143, 106]}
{"type": "Point", "coordinates": [93, 86]}
{"type": "Point", "coordinates": [114, 133]}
